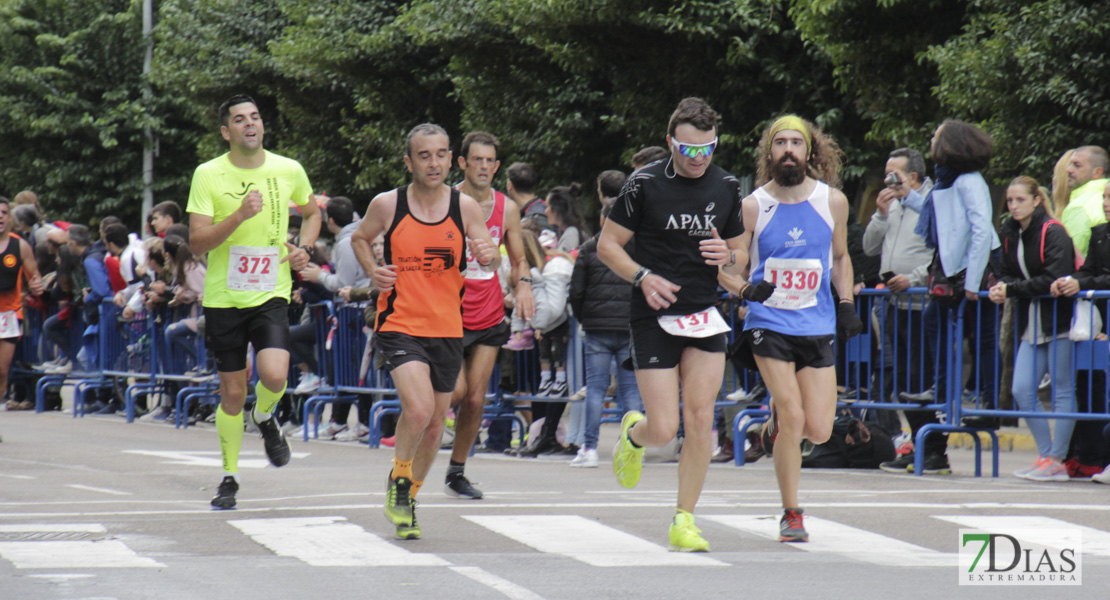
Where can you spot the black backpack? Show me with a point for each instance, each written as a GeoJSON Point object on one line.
{"type": "Point", "coordinates": [852, 445]}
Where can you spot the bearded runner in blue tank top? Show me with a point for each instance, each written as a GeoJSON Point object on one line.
{"type": "Point", "coordinates": [684, 215]}
{"type": "Point", "coordinates": [796, 240]}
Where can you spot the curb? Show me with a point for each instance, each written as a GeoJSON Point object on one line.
{"type": "Point", "coordinates": [1008, 441]}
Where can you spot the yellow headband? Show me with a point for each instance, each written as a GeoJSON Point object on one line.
{"type": "Point", "coordinates": [793, 123]}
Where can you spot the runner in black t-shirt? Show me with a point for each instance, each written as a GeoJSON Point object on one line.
{"type": "Point", "coordinates": [678, 209]}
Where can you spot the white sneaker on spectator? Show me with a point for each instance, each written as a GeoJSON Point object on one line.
{"type": "Point", "coordinates": [310, 382]}
{"type": "Point", "coordinates": [579, 396]}
{"type": "Point", "coordinates": [737, 395]}
{"type": "Point", "coordinates": [60, 369]}
{"type": "Point", "coordinates": [1103, 477]}
{"type": "Point", "coordinates": [1050, 469]}
{"type": "Point", "coordinates": [332, 430]}
{"type": "Point", "coordinates": [48, 364]}
{"type": "Point", "coordinates": [586, 459]}
{"type": "Point", "coordinates": [352, 435]}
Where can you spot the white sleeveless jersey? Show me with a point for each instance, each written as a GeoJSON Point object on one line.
{"type": "Point", "coordinates": [792, 248]}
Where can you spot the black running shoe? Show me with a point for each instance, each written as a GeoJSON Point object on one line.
{"type": "Point", "coordinates": [791, 528]}
{"type": "Point", "coordinates": [273, 438]}
{"type": "Point", "coordinates": [902, 464]}
{"type": "Point", "coordinates": [459, 486]}
{"type": "Point", "coordinates": [225, 495]}
{"type": "Point", "coordinates": [936, 464]}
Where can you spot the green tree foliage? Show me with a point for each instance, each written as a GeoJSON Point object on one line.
{"type": "Point", "coordinates": [878, 51]}
{"type": "Point", "coordinates": [1034, 74]}
{"type": "Point", "coordinates": [573, 86]}
{"type": "Point", "coordinates": [72, 108]}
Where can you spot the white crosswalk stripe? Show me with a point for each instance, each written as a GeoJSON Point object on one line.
{"type": "Point", "coordinates": [831, 537]}
{"type": "Point", "coordinates": [1095, 541]}
{"type": "Point", "coordinates": [588, 541]}
{"type": "Point", "coordinates": [331, 542]}
{"type": "Point", "coordinates": [37, 546]}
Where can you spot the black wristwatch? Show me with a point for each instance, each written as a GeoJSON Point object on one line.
{"type": "Point", "coordinates": [307, 250]}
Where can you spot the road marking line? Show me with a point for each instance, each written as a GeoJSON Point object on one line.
{"type": "Point", "coordinates": [243, 507]}
{"type": "Point", "coordinates": [830, 537]}
{"type": "Point", "coordinates": [78, 486]}
{"type": "Point", "coordinates": [330, 542]}
{"type": "Point", "coordinates": [1095, 541]}
{"type": "Point", "coordinates": [100, 554]}
{"type": "Point", "coordinates": [54, 528]}
{"type": "Point", "coordinates": [206, 458]}
{"type": "Point", "coordinates": [587, 541]}
{"type": "Point", "coordinates": [16, 476]}
{"type": "Point", "coordinates": [504, 586]}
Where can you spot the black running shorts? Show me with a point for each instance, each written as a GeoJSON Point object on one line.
{"type": "Point", "coordinates": [805, 351]}
{"type": "Point", "coordinates": [228, 331]}
{"type": "Point", "coordinates": [444, 356]}
{"type": "Point", "coordinates": [494, 336]}
{"type": "Point", "coordinates": [654, 348]}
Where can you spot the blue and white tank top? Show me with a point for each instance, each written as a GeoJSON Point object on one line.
{"type": "Point", "coordinates": [792, 248]}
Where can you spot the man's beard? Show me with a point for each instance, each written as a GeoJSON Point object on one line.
{"type": "Point", "coordinates": [788, 175]}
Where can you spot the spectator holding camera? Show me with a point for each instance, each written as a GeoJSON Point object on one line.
{"type": "Point", "coordinates": [904, 263]}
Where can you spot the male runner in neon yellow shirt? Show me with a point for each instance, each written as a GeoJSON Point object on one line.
{"type": "Point", "coordinates": [240, 217]}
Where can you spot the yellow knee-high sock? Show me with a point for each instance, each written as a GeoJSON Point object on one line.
{"type": "Point", "coordinates": [230, 430]}
{"type": "Point", "coordinates": [265, 400]}
{"type": "Point", "coordinates": [402, 468]}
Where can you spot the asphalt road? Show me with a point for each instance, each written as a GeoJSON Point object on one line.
{"type": "Point", "coordinates": [96, 508]}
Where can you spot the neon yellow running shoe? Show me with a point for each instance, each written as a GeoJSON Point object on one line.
{"type": "Point", "coordinates": [685, 537]}
{"type": "Point", "coordinates": [409, 531]}
{"type": "Point", "coordinates": [628, 460]}
{"type": "Point", "coordinates": [398, 501]}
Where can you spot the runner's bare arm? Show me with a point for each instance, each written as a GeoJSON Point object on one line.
{"type": "Point", "coordinates": [658, 292]}
{"type": "Point", "coordinates": [30, 268]}
{"type": "Point", "coordinates": [514, 245]}
{"type": "Point", "coordinates": [481, 244]}
{"type": "Point", "coordinates": [310, 230]}
{"type": "Point", "coordinates": [204, 235]}
{"type": "Point", "coordinates": [735, 278]}
{"type": "Point", "coordinates": [842, 275]}
{"type": "Point", "coordinates": [379, 216]}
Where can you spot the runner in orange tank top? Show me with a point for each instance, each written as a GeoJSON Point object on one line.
{"type": "Point", "coordinates": [17, 263]}
{"type": "Point", "coordinates": [428, 228]}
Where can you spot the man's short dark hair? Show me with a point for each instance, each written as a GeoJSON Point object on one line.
{"type": "Point", "coordinates": [26, 214]}
{"type": "Point", "coordinates": [79, 235]}
{"type": "Point", "coordinates": [479, 137]}
{"type": "Point", "coordinates": [523, 177]}
{"type": "Point", "coordinates": [107, 222]}
{"type": "Point", "coordinates": [169, 208]}
{"type": "Point", "coordinates": [225, 108]}
{"type": "Point", "coordinates": [611, 182]}
{"type": "Point", "coordinates": [915, 163]}
{"type": "Point", "coordinates": [424, 129]}
{"type": "Point", "coordinates": [341, 210]}
{"type": "Point", "coordinates": [1097, 156]}
{"type": "Point", "coordinates": [648, 155]}
{"type": "Point", "coordinates": [116, 233]}
{"type": "Point", "coordinates": [179, 229]}
{"type": "Point", "coordinates": [962, 147]}
{"type": "Point", "coordinates": [696, 112]}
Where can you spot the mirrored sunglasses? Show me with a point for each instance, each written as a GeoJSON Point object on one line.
{"type": "Point", "coordinates": [695, 150]}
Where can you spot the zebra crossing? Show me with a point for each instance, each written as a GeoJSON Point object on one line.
{"type": "Point", "coordinates": [334, 541]}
